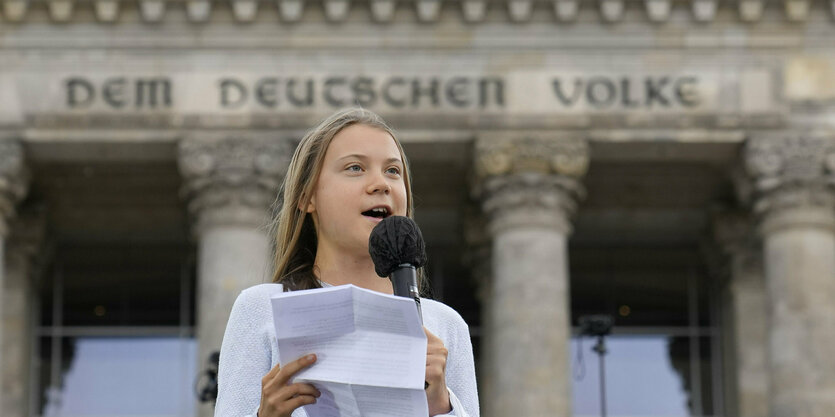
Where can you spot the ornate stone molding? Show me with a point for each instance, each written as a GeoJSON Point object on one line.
{"type": "Point", "coordinates": [790, 171]}
{"type": "Point", "coordinates": [531, 181]}
{"type": "Point", "coordinates": [14, 180]}
{"type": "Point", "coordinates": [544, 153]}
{"type": "Point", "coordinates": [232, 178]}
{"type": "Point", "coordinates": [428, 11]}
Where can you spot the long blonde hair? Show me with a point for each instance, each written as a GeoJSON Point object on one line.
{"type": "Point", "coordinates": [295, 234]}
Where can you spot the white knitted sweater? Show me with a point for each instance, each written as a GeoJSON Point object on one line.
{"type": "Point", "coordinates": [250, 350]}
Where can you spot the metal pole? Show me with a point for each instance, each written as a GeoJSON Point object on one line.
{"type": "Point", "coordinates": [600, 349]}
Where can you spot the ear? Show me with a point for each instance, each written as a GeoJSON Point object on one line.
{"type": "Point", "coordinates": [311, 206]}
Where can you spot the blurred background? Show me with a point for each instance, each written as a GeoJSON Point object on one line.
{"type": "Point", "coordinates": [647, 185]}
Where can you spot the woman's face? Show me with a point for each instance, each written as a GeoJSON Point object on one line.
{"type": "Point", "coordinates": [360, 183]}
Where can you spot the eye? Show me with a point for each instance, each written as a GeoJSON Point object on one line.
{"type": "Point", "coordinates": [393, 170]}
{"type": "Point", "coordinates": [353, 168]}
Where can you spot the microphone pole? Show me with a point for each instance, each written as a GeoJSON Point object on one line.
{"type": "Point", "coordinates": [598, 325]}
{"type": "Point", "coordinates": [600, 349]}
{"type": "Point", "coordinates": [404, 281]}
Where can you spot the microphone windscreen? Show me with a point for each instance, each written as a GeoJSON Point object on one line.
{"type": "Point", "coordinates": [394, 241]}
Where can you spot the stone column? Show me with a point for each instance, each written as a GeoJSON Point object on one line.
{"type": "Point", "coordinates": [20, 311]}
{"type": "Point", "coordinates": [230, 183]}
{"type": "Point", "coordinates": [744, 305]}
{"type": "Point", "coordinates": [529, 187]}
{"type": "Point", "coordinates": [13, 184]}
{"type": "Point", "coordinates": [793, 192]}
{"type": "Point", "coordinates": [478, 259]}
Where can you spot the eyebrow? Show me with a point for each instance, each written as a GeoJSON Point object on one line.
{"type": "Point", "coordinates": [363, 157]}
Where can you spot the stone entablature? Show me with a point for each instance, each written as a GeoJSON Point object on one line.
{"type": "Point", "coordinates": [382, 11]}
{"type": "Point", "coordinates": [291, 97]}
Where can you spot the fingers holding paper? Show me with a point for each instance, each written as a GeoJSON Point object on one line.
{"type": "Point", "coordinates": [436, 391]}
{"type": "Point", "coordinates": [279, 398]}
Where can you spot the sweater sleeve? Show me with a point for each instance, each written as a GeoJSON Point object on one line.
{"type": "Point", "coordinates": [460, 372]}
{"type": "Point", "coordinates": [245, 357]}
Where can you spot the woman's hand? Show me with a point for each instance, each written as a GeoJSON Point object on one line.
{"type": "Point", "coordinates": [279, 398]}
{"type": "Point", "coordinates": [436, 392]}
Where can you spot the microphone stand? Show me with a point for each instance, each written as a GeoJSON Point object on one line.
{"type": "Point", "coordinates": [600, 349]}
{"type": "Point", "coordinates": [598, 325]}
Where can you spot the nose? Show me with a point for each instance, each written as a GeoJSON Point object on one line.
{"type": "Point", "coordinates": [378, 184]}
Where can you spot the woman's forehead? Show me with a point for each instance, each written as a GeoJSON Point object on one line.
{"type": "Point", "coordinates": [362, 140]}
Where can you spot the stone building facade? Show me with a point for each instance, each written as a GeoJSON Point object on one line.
{"type": "Point", "coordinates": [670, 163]}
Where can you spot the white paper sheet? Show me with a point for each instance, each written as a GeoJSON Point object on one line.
{"type": "Point", "coordinates": [370, 347]}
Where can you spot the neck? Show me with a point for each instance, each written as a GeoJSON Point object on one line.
{"type": "Point", "coordinates": [338, 268]}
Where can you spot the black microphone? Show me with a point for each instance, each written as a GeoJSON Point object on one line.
{"type": "Point", "coordinates": [397, 249]}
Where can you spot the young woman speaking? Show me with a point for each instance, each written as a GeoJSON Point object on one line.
{"type": "Point", "coordinates": [345, 176]}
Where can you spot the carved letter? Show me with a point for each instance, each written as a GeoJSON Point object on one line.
{"type": "Point", "coordinates": [609, 92]}
{"type": "Point", "coordinates": [151, 87]}
{"type": "Point", "coordinates": [498, 89]}
{"type": "Point", "coordinates": [78, 85]}
{"type": "Point", "coordinates": [113, 92]}
{"type": "Point", "coordinates": [431, 91]}
{"type": "Point", "coordinates": [265, 92]}
{"type": "Point", "coordinates": [329, 84]}
{"type": "Point", "coordinates": [575, 94]}
{"type": "Point", "coordinates": [363, 88]}
{"type": "Point", "coordinates": [626, 100]}
{"type": "Point", "coordinates": [457, 91]}
{"type": "Point", "coordinates": [655, 93]}
{"type": "Point", "coordinates": [686, 91]}
{"type": "Point", "coordinates": [387, 97]}
{"type": "Point", "coordinates": [232, 93]}
{"type": "Point", "coordinates": [305, 101]}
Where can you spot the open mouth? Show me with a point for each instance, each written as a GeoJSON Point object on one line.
{"type": "Point", "coordinates": [377, 212]}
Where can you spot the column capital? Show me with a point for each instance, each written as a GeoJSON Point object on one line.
{"type": "Point", "coordinates": [232, 177]}
{"type": "Point", "coordinates": [790, 171]}
{"type": "Point", "coordinates": [14, 180]}
{"type": "Point", "coordinates": [550, 153]}
{"type": "Point", "coordinates": [530, 179]}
